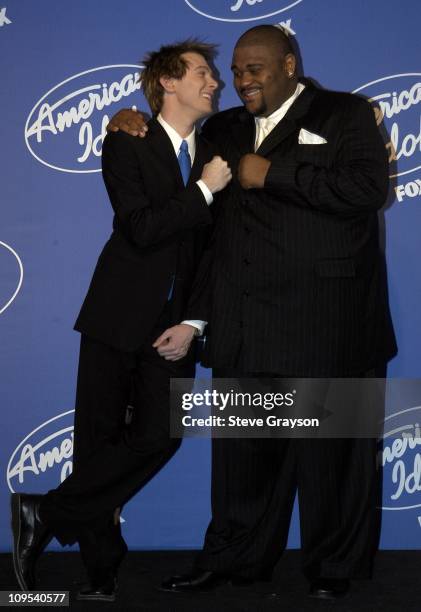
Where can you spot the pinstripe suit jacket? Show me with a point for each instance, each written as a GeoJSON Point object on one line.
{"type": "Point", "coordinates": [297, 284]}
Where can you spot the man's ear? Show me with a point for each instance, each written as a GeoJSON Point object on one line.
{"type": "Point", "coordinates": [290, 64]}
{"type": "Point", "coordinates": [167, 83]}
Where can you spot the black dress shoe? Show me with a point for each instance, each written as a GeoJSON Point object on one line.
{"type": "Point", "coordinates": [30, 537]}
{"type": "Point", "coordinates": [329, 588]}
{"type": "Point", "coordinates": [198, 581]}
{"type": "Point", "coordinates": [103, 592]}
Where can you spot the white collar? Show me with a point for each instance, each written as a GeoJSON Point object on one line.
{"type": "Point", "coordinates": [176, 139]}
{"type": "Point", "coordinates": [280, 112]}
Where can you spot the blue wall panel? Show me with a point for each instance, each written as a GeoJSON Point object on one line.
{"type": "Point", "coordinates": [65, 68]}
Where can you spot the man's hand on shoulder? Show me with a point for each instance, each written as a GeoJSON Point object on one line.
{"type": "Point", "coordinates": [252, 171]}
{"type": "Point", "coordinates": [175, 342]}
{"type": "Point", "coordinates": [130, 121]}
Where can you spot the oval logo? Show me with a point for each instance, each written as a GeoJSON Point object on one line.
{"type": "Point", "coordinates": [44, 456]}
{"type": "Point", "coordinates": [11, 276]}
{"type": "Point", "coordinates": [401, 460]}
{"type": "Point", "coordinates": [240, 10]}
{"type": "Point", "coordinates": [66, 128]}
{"type": "Point", "coordinates": [396, 100]}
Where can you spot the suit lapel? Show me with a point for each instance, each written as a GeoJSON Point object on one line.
{"type": "Point", "coordinates": [243, 132]}
{"type": "Point", "coordinates": [199, 160]}
{"type": "Point", "coordinates": [162, 147]}
{"type": "Point", "coordinates": [290, 122]}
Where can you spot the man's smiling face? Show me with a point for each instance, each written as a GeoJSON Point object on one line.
{"type": "Point", "coordinates": [195, 90]}
{"type": "Point", "coordinates": [261, 77]}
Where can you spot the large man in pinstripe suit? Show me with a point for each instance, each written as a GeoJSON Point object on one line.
{"type": "Point", "coordinates": [297, 291]}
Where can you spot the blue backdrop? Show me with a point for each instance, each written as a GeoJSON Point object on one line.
{"type": "Point", "coordinates": [65, 69]}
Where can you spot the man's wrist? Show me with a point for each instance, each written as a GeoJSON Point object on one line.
{"type": "Point", "coordinates": [198, 325]}
{"type": "Point", "coordinates": [206, 191]}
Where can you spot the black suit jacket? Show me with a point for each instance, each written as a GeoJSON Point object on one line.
{"type": "Point", "coordinates": [159, 229]}
{"type": "Point", "coordinates": [297, 283]}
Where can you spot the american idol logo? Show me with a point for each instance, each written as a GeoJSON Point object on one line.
{"type": "Point", "coordinates": [240, 10]}
{"type": "Point", "coordinates": [11, 275]}
{"type": "Point", "coordinates": [401, 460]}
{"type": "Point", "coordinates": [66, 128]}
{"type": "Point", "coordinates": [44, 457]}
{"type": "Point", "coordinates": [397, 104]}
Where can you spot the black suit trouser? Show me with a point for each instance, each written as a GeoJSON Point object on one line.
{"type": "Point", "coordinates": [254, 482]}
{"type": "Point", "coordinates": [113, 460]}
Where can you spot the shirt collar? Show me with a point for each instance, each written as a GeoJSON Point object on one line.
{"type": "Point", "coordinates": [176, 139]}
{"type": "Point", "coordinates": [280, 112]}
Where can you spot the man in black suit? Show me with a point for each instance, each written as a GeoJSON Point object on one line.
{"type": "Point", "coordinates": [132, 340]}
{"type": "Point", "coordinates": [297, 290]}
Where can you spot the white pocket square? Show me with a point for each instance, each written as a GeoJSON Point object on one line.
{"type": "Point", "coordinates": [306, 137]}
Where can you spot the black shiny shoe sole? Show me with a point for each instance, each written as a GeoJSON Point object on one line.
{"type": "Point", "coordinates": [325, 593]}
{"type": "Point", "coordinates": [96, 596]}
{"type": "Point", "coordinates": [217, 582]}
{"type": "Point", "coordinates": [206, 587]}
{"type": "Point", "coordinates": [16, 525]}
{"type": "Point", "coordinates": [100, 594]}
{"type": "Point", "coordinates": [323, 596]}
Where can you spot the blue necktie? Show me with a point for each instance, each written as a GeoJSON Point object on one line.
{"type": "Point", "coordinates": [185, 167]}
{"type": "Point", "coordinates": [184, 161]}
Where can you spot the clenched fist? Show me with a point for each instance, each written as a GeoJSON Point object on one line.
{"type": "Point", "coordinates": [252, 171]}
{"type": "Point", "coordinates": [216, 174]}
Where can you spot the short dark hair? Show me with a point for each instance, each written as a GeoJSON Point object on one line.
{"type": "Point", "coordinates": [267, 35]}
{"type": "Point", "coordinates": [167, 61]}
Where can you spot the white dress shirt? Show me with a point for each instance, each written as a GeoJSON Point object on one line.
{"type": "Point", "coordinates": [264, 125]}
{"type": "Point", "coordinates": [176, 140]}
